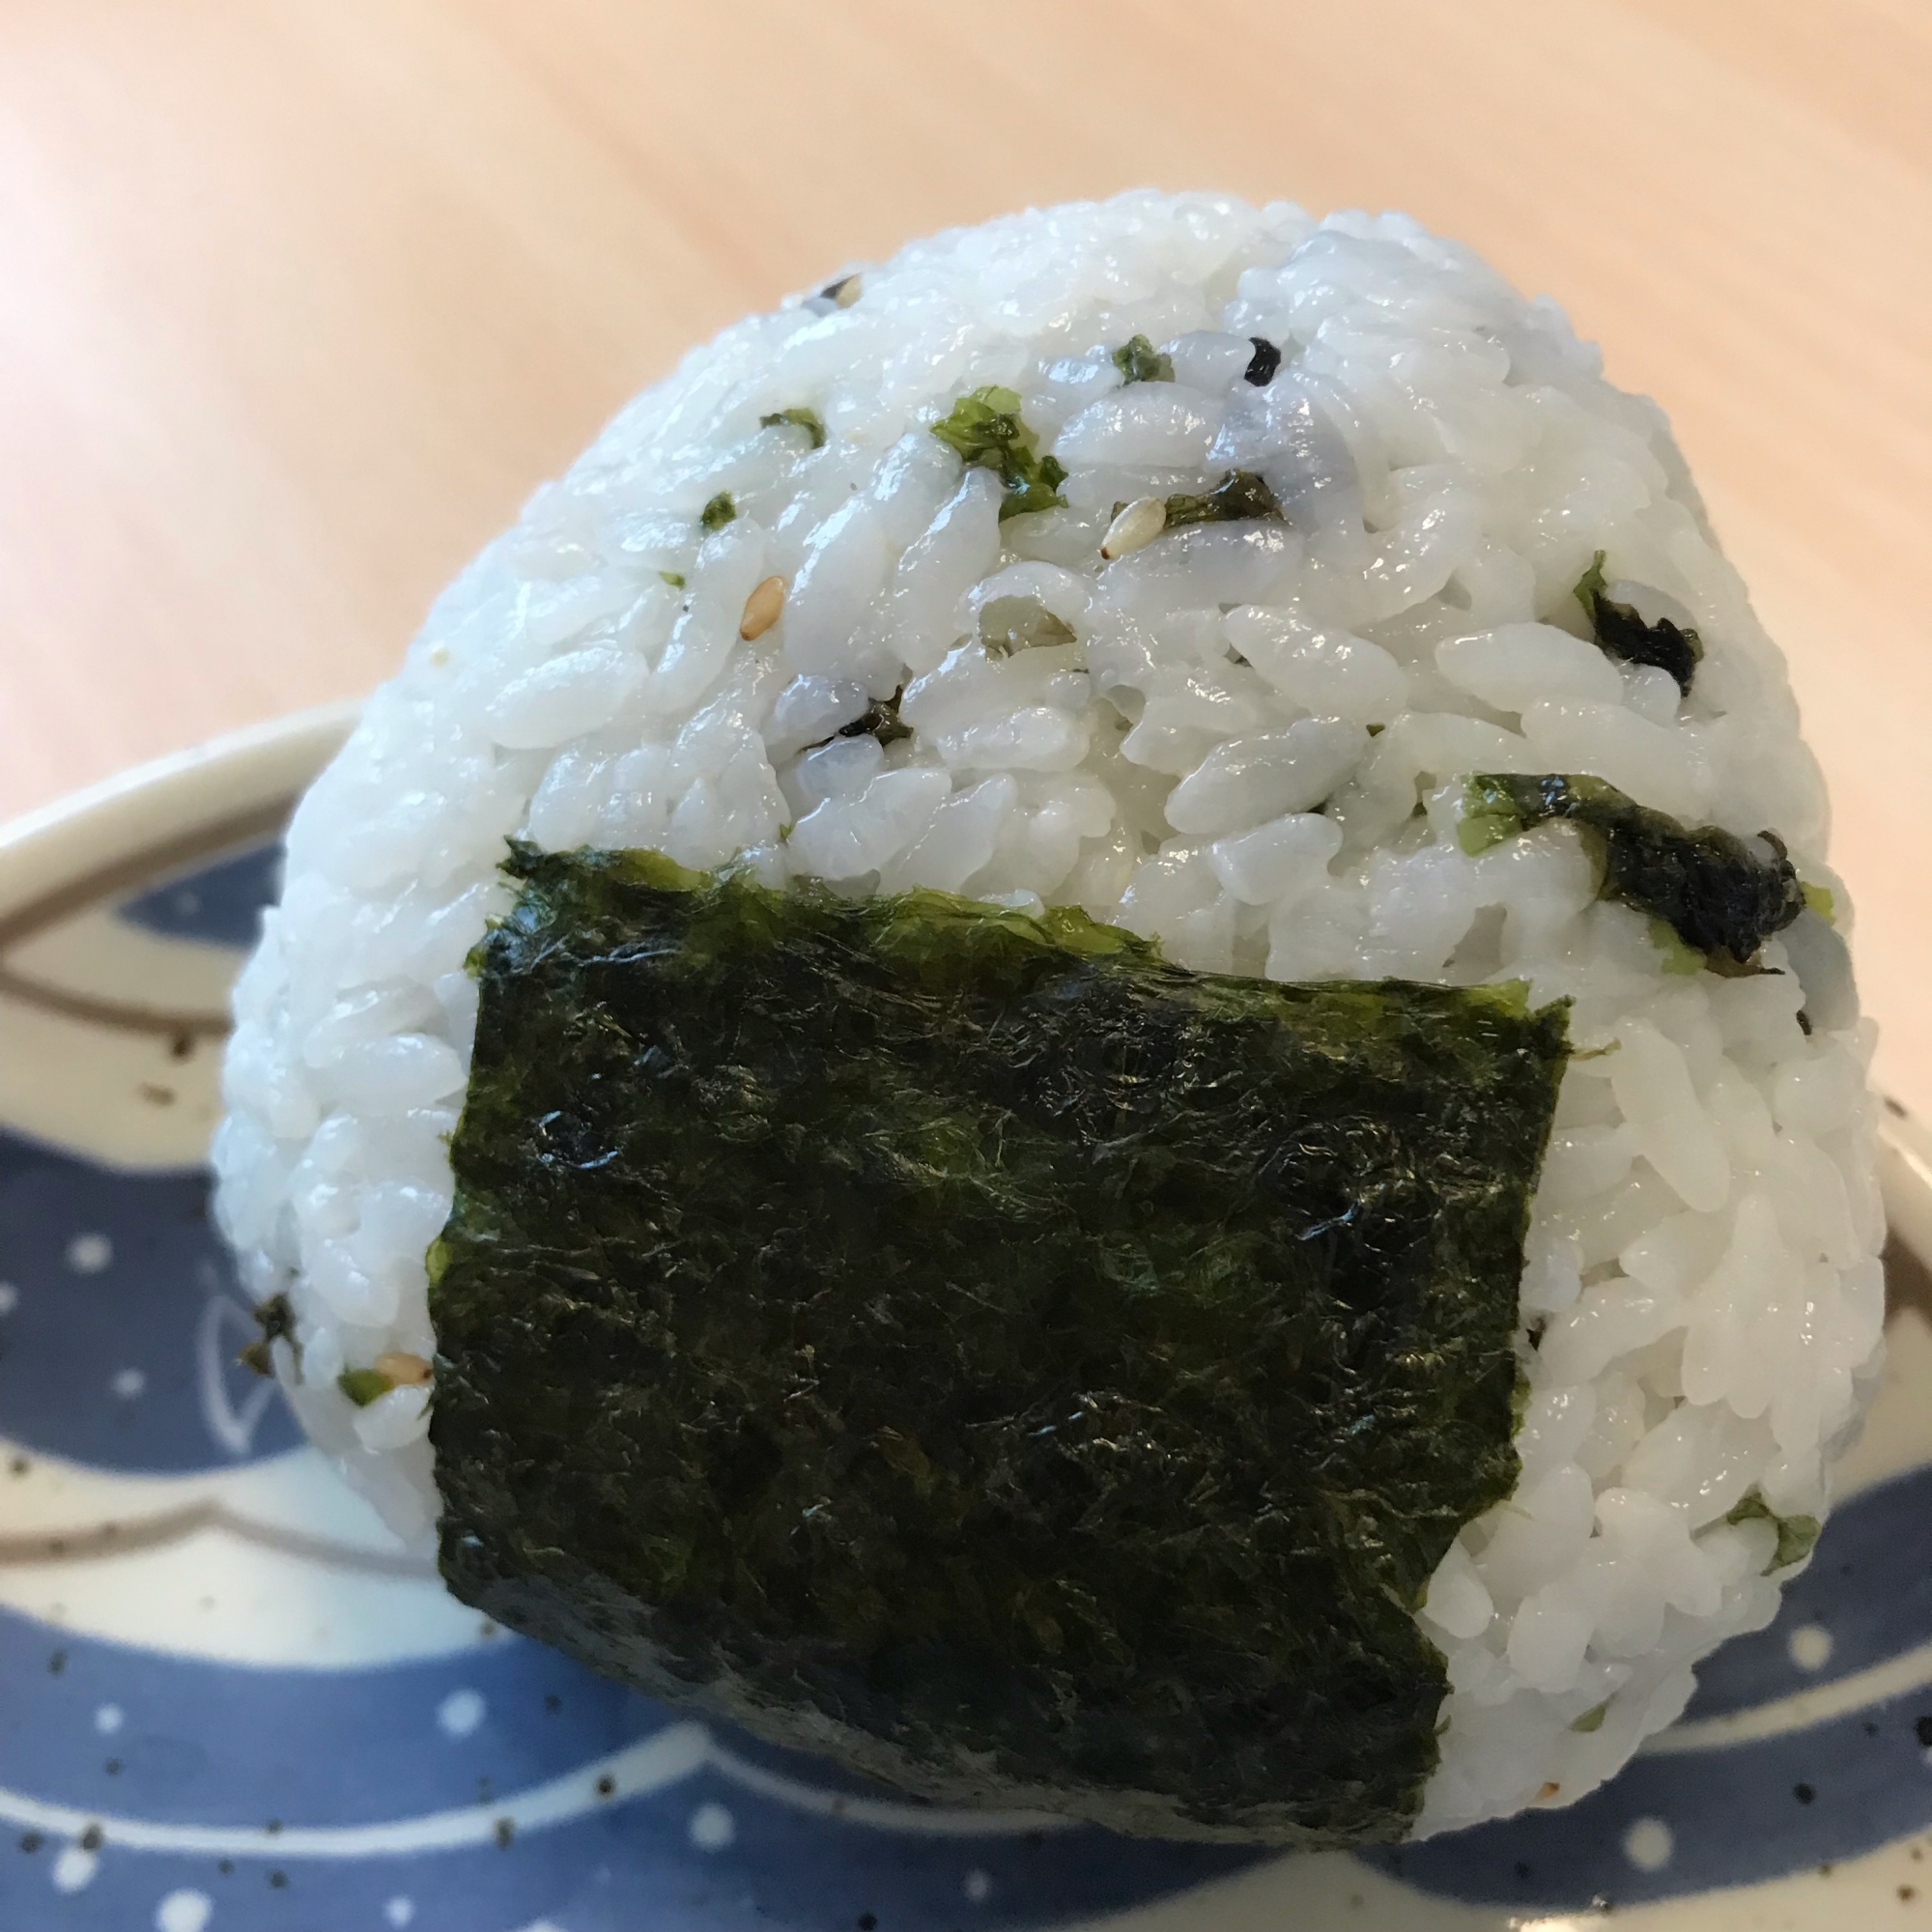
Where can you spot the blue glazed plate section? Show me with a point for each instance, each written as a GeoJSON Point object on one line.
{"type": "Point", "coordinates": [496, 1787]}
{"type": "Point", "coordinates": [500, 1787]}
{"type": "Point", "coordinates": [123, 1321]}
{"type": "Point", "coordinates": [317, 1799]}
{"type": "Point", "coordinates": [1819, 1793]}
{"type": "Point", "coordinates": [260, 1789]}
{"type": "Point", "coordinates": [1869, 1588]}
{"type": "Point", "coordinates": [1820, 1796]}
{"type": "Point", "coordinates": [220, 905]}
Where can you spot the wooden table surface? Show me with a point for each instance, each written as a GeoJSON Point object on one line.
{"type": "Point", "coordinates": [299, 298]}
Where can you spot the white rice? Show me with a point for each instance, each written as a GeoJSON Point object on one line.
{"type": "Point", "coordinates": [1702, 1266]}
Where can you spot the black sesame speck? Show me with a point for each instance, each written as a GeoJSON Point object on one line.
{"type": "Point", "coordinates": [1906, 1895]}
{"type": "Point", "coordinates": [279, 1879]}
{"type": "Point", "coordinates": [1803, 1793]}
{"type": "Point", "coordinates": [112, 1767]}
{"type": "Point", "coordinates": [1265, 360]}
{"type": "Point", "coordinates": [868, 1921]}
{"type": "Point", "coordinates": [273, 1825]}
{"type": "Point", "coordinates": [553, 1703]}
{"type": "Point", "coordinates": [1923, 1729]}
{"type": "Point", "coordinates": [17, 1465]}
{"type": "Point", "coordinates": [93, 1838]}
{"type": "Point", "coordinates": [1522, 1868]}
{"type": "Point", "coordinates": [226, 1868]}
{"type": "Point", "coordinates": [506, 1830]}
{"type": "Point", "coordinates": [606, 1786]}
{"type": "Point", "coordinates": [56, 1664]}
{"type": "Point", "coordinates": [30, 1841]}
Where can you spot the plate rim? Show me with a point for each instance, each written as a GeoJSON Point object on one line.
{"type": "Point", "coordinates": [159, 817]}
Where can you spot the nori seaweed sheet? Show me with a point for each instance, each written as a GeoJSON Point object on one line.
{"type": "Point", "coordinates": [1718, 895]}
{"type": "Point", "coordinates": [968, 1346]}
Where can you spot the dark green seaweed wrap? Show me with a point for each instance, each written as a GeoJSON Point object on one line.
{"type": "Point", "coordinates": [963, 1344]}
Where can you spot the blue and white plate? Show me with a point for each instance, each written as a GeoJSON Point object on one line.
{"type": "Point", "coordinates": [229, 1702]}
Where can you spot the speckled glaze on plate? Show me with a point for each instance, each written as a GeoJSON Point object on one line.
{"type": "Point", "coordinates": [229, 1702]}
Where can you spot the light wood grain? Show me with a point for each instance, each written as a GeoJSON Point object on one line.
{"type": "Point", "coordinates": [299, 298]}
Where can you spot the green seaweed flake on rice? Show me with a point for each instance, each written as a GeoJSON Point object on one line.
{"type": "Point", "coordinates": [797, 418]}
{"type": "Point", "coordinates": [986, 429]}
{"type": "Point", "coordinates": [1238, 495]}
{"type": "Point", "coordinates": [1624, 632]}
{"type": "Point", "coordinates": [1139, 362]}
{"type": "Point", "coordinates": [1246, 735]}
{"type": "Point", "coordinates": [1718, 895]}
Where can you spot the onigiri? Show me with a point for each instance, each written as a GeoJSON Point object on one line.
{"type": "Point", "coordinates": [1084, 1037]}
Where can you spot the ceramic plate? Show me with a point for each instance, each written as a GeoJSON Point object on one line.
{"type": "Point", "coordinates": [229, 1702]}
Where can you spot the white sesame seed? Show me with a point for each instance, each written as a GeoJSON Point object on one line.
{"type": "Point", "coordinates": [1138, 523]}
{"type": "Point", "coordinates": [404, 1370]}
{"type": "Point", "coordinates": [762, 607]}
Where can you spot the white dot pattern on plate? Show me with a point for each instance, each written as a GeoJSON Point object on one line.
{"type": "Point", "coordinates": [1811, 1646]}
{"type": "Point", "coordinates": [712, 1828]}
{"type": "Point", "coordinates": [73, 1869]}
{"type": "Point", "coordinates": [183, 1912]}
{"type": "Point", "coordinates": [88, 1254]}
{"type": "Point", "coordinates": [460, 1712]}
{"type": "Point", "coordinates": [1648, 1844]}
